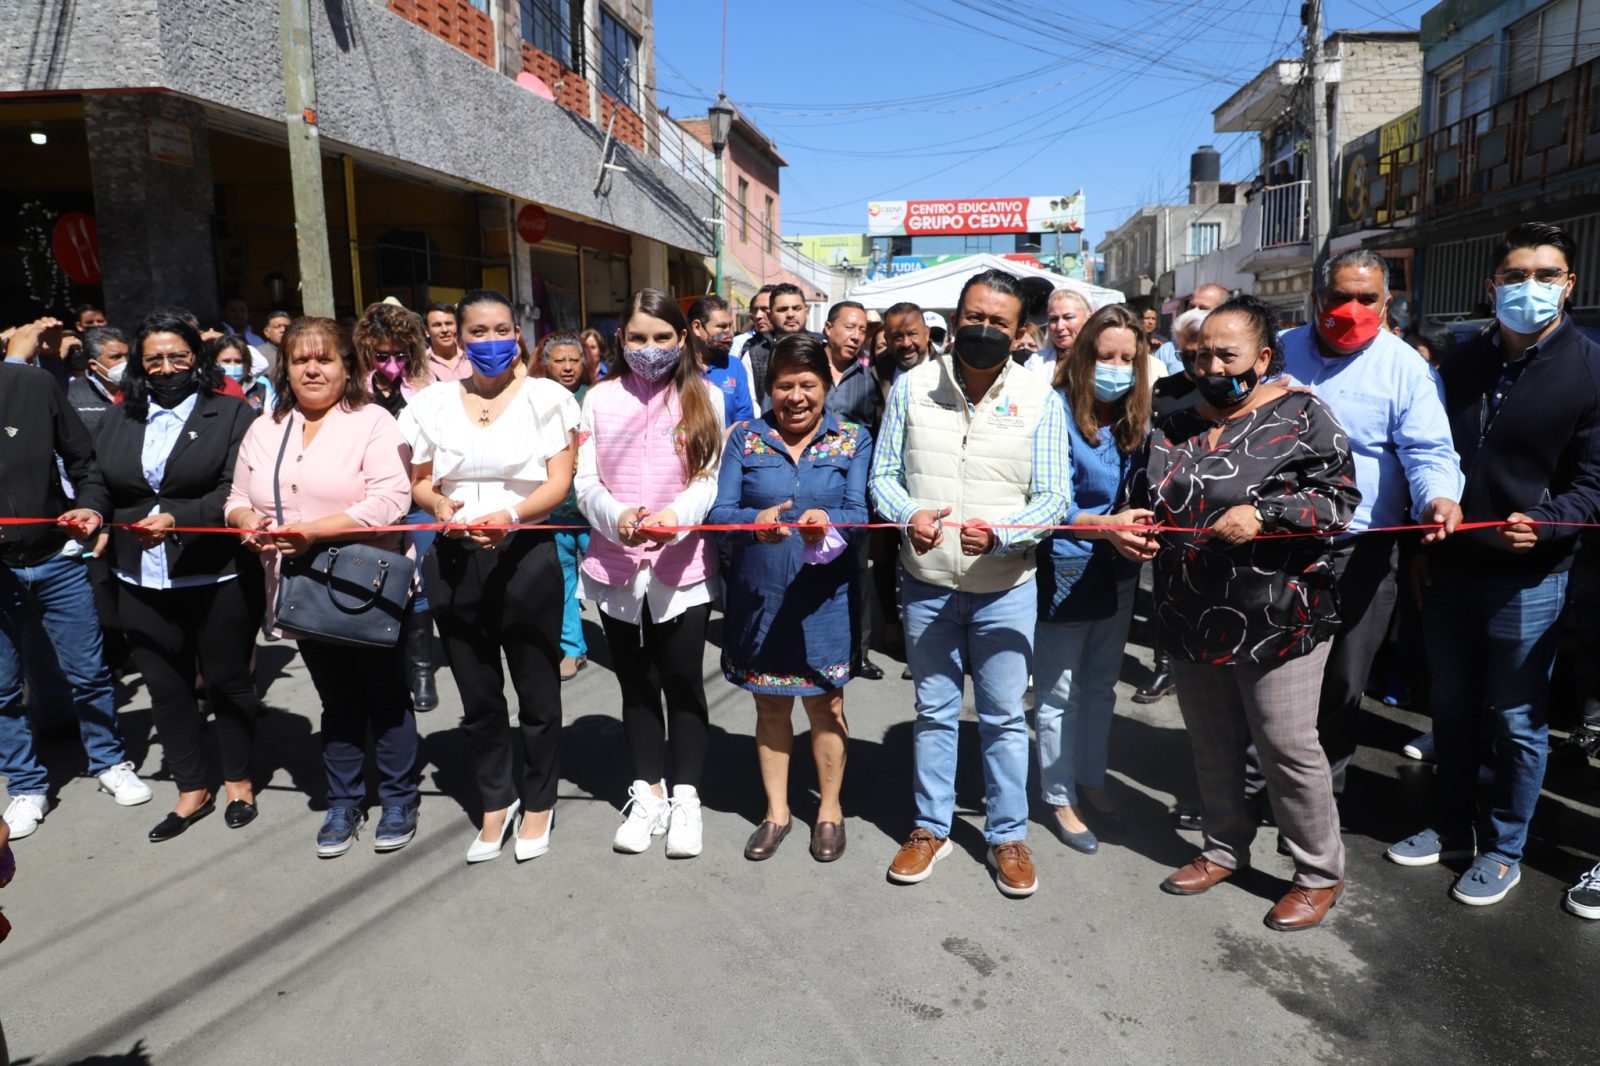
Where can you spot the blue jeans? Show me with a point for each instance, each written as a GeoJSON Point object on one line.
{"type": "Point", "coordinates": [570, 548]}
{"type": "Point", "coordinates": [1075, 671]}
{"type": "Point", "coordinates": [57, 593]}
{"type": "Point", "coordinates": [1492, 640]}
{"type": "Point", "coordinates": [422, 540]}
{"type": "Point", "coordinates": [991, 633]}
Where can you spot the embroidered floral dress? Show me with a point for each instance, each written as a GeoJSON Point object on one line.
{"type": "Point", "coordinates": [790, 627]}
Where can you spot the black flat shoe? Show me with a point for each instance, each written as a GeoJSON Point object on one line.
{"type": "Point", "coordinates": [239, 814]}
{"type": "Point", "coordinates": [174, 823]}
{"type": "Point", "coordinates": [868, 670]}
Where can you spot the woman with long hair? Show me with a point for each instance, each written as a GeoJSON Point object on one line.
{"type": "Point", "coordinates": [1085, 588]}
{"type": "Point", "coordinates": [649, 443]}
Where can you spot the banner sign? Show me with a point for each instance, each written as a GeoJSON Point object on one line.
{"type": "Point", "coordinates": [1016, 214]}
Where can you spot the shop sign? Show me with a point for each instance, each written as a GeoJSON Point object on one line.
{"type": "Point", "coordinates": [170, 142]}
{"type": "Point", "coordinates": [1017, 214]}
{"type": "Point", "coordinates": [533, 223]}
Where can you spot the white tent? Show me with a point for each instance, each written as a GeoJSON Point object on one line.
{"type": "Point", "coordinates": [936, 288]}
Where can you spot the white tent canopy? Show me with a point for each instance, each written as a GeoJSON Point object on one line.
{"type": "Point", "coordinates": [936, 288]}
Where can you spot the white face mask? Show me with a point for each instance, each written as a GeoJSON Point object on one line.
{"type": "Point", "coordinates": [114, 375]}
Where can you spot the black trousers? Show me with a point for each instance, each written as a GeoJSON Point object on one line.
{"type": "Point", "coordinates": [507, 599]}
{"type": "Point", "coordinates": [170, 630]}
{"type": "Point", "coordinates": [1366, 582]}
{"type": "Point", "coordinates": [659, 659]}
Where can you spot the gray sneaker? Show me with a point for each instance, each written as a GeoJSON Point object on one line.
{"type": "Point", "coordinates": [1428, 847]}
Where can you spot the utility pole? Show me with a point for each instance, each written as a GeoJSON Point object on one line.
{"type": "Point", "coordinates": [305, 158]}
{"type": "Point", "coordinates": [1321, 213]}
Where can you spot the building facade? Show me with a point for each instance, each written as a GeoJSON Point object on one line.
{"type": "Point", "coordinates": [1371, 78]}
{"type": "Point", "coordinates": [1508, 130]}
{"type": "Point", "coordinates": [511, 147]}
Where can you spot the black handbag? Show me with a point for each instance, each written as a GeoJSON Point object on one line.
{"type": "Point", "coordinates": [351, 594]}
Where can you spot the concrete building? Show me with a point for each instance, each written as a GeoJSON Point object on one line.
{"type": "Point", "coordinates": [460, 148]}
{"type": "Point", "coordinates": [1508, 131]}
{"type": "Point", "coordinates": [1372, 79]}
{"type": "Point", "coordinates": [1143, 255]}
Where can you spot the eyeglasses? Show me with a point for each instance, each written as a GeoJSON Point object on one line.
{"type": "Point", "coordinates": [1544, 276]}
{"type": "Point", "coordinates": [171, 360]}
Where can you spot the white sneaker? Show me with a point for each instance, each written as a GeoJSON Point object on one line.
{"type": "Point", "coordinates": [125, 785]}
{"type": "Point", "coordinates": [25, 813]}
{"type": "Point", "coordinates": [646, 818]}
{"type": "Point", "coordinates": [685, 835]}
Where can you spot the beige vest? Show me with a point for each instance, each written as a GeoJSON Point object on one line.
{"type": "Point", "coordinates": [979, 464]}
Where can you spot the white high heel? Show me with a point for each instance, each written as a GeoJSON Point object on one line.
{"type": "Point", "coordinates": [526, 849]}
{"type": "Point", "coordinates": [483, 850]}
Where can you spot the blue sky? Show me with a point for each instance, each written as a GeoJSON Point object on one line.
{"type": "Point", "coordinates": [907, 99]}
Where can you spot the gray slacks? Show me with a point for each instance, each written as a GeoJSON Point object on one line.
{"type": "Point", "coordinates": [1225, 708]}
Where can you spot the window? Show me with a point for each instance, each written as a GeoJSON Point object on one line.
{"type": "Point", "coordinates": [1551, 40]}
{"type": "Point", "coordinates": [547, 25]}
{"type": "Point", "coordinates": [619, 60]}
{"type": "Point", "coordinates": [1204, 237]}
{"type": "Point", "coordinates": [766, 225]}
{"type": "Point", "coordinates": [744, 211]}
{"type": "Point", "coordinates": [1465, 87]}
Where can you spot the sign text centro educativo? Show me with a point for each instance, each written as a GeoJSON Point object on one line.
{"type": "Point", "coordinates": [1017, 214]}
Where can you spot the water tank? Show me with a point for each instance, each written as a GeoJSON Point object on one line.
{"type": "Point", "coordinates": [1205, 164]}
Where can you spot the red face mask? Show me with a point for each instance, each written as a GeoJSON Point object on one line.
{"type": "Point", "coordinates": [1350, 326]}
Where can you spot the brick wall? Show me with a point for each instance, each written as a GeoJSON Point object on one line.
{"type": "Point", "coordinates": [574, 92]}
{"type": "Point", "coordinates": [629, 128]}
{"type": "Point", "coordinates": [455, 21]}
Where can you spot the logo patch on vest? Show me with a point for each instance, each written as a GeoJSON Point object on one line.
{"type": "Point", "coordinates": [1005, 414]}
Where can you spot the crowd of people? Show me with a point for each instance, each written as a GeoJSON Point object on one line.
{"type": "Point", "coordinates": [983, 491]}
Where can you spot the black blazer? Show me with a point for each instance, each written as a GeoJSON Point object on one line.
{"type": "Point", "coordinates": [37, 424]}
{"type": "Point", "coordinates": [195, 486]}
{"type": "Point", "coordinates": [1540, 454]}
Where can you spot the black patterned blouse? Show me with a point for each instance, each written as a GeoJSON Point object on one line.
{"type": "Point", "coordinates": [1273, 598]}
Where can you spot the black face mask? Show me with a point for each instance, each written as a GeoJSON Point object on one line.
{"type": "Point", "coordinates": [982, 347]}
{"type": "Point", "coordinates": [169, 390]}
{"type": "Point", "coordinates": [1225, 390]}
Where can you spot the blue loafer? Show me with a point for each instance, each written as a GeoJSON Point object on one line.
{"type": "Point", "coordinates": [1429, 846]}
{"type": "Point", "coordinates": [1486, 881]}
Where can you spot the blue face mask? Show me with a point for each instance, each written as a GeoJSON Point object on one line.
{"type": "Point", "coordinates": [1112, 381]}
{"type": "Point", "coordinates": [234, 371]}
{"type": "Point", "coordinates": [491, 358]}
{"type": "Point", "coordinates": [1528, 306]}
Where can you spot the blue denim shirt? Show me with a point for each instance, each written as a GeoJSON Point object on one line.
{"type": "Point", "coordinates": [775, 603]}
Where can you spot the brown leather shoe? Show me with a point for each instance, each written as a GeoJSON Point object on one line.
{"type": "Point", "coordinates": [1013, 869]}
{"type": "Point", "coordinates": [1195, 878]}
{"type": "Point", "coordinates": [1303, 908]}
{"type": "Point", "coordinates": [763, 843]}
{"type": "Point", "coordinates": [827, 841]}
{"type": "Point", "coordinates": [914, 861]}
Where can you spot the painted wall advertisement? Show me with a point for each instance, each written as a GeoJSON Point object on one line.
{"type": "Point", "coordinates": [979, 215]}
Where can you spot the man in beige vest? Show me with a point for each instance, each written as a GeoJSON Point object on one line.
{"type": "Point", "coordinates": [977, 437]}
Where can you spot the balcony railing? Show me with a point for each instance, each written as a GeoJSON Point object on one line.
{"type": "Point", "coordinates": [1283, 216]}
{"type": "Point", "coordinates": [1523, 141]}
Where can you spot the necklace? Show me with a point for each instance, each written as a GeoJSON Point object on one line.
{"type": "Point", "coordinates": [485, 404]}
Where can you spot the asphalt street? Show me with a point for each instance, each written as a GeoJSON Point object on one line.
{"type": "Point", "coordinates": [241, 946]}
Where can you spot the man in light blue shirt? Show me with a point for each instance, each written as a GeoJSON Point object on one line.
{"type": "Point", "coordinates": [1407, 469]}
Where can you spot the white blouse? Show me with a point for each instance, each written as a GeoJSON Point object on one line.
{"type": "Point", "coordinates": [495, 467]}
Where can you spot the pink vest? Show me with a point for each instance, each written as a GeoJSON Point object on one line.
{"type": "Point", "coordinates": [638, 447]}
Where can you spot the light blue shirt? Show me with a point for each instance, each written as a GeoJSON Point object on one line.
{"type": "Point", "coordinates": [1050, 487]}
{"type": "Point", "coordinates": [1392, 406]}
{"type": "Point", "coordinates": [1168, 356]}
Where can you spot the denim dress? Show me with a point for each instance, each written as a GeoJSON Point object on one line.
{"type": "Point", "coordinates": [790, 628]}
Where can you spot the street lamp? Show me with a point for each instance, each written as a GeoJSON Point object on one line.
{"type": "Point", "coordinates": [721, 115]}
